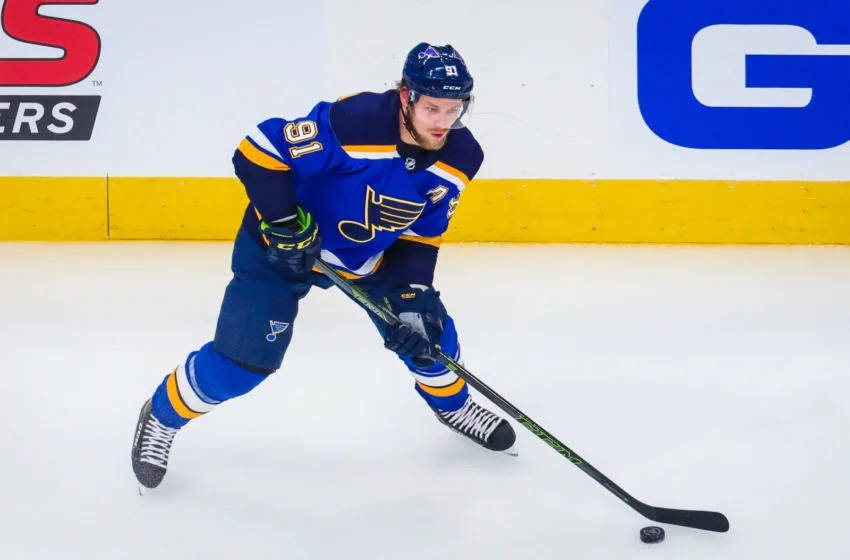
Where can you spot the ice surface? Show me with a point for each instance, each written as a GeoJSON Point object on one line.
{"type": "Point", "coordinates": [694, 377]}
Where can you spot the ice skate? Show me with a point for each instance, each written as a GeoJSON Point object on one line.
{"type": "Point", "coordinates": [151, 446]}
{"type": "Point", "coordinates": [480, 425]}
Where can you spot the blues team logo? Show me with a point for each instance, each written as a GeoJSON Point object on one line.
{"type": "Point", "coordinates": [382, 213]}
{"type": "Point", "coordinates": [430, 52]}
{"type": "Point", "coordinates": [668, 31]}
{"type": "Point", "coordinates": [277, 328]}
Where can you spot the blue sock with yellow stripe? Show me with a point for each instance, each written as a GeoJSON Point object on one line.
{"type": "Point", "coordinates": [205, 380]}
{"type": "Point", "coordinates": [446, 402]}
{"type": "Point", "coordinates": [441, 388]}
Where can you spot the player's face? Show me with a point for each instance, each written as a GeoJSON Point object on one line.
{"type": "Point", "coordinates": [432, 118]}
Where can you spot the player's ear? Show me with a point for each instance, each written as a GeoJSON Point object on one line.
{"type": "Point", "coordinates": [403, 96]}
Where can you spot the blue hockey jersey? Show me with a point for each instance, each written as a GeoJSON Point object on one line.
{"type": "Point", "coordinates": [346, 164]}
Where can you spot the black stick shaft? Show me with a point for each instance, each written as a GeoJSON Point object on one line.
{"type": "Point", "coordinates": [707, 520]}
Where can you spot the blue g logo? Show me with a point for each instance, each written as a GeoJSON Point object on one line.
{"type": "Point", "coordinates": [666, 33]}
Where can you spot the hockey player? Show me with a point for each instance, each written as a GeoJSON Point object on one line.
{"type": "Point", "coordinates": [368, 183]}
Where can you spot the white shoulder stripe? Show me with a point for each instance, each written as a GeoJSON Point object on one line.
{"type": "Point", "coordinates": [261, 140]}
{"type": "Point", "coordinates": [373, 155]}
{"type": "Point", "coordinates": [447, 176]}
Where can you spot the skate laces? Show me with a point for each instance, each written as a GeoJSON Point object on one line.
{"type": "Point", "coordinates": [156, 443]}
{"type": "Point", "coordinates": [473, 419]}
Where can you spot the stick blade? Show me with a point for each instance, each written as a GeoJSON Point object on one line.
{"type": "Point", "coordinates": [706, 520]}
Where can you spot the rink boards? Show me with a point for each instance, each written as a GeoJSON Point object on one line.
{"type": "Point", "coordinates": [506, 210]}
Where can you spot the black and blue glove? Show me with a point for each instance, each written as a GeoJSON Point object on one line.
{"type": "Point", "coordinates": [423, 318]}
{"type": "Point", "coordinates": [293, 246]}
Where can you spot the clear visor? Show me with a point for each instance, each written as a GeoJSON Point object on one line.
{"type": "Point", "coordinates": [443, 113]}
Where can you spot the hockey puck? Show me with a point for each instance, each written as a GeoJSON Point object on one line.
{"type": "Point", "coordinates": [652, 534]}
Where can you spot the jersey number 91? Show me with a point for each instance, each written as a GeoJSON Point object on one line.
{"type": "Point", "coordinates": [300, 132]}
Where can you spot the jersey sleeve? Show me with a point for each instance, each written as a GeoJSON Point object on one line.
{"type": "Point", "coordinates": [454, 171]}
{"type": "Point", "coordinates": [413, 256]}
{"type": "Point", "coordinates": [434, 221]}
{"type": "Point", "coordinates": [270, 190]}
{"type": "Point", "coordinates": [307, 146]}
{"type": "Point", "coordinates": [408, 262]}
{"type": "Point", "coordinates": [277, 152]}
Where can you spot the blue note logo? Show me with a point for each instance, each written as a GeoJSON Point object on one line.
{"type": "Point", "coordinates": [381, 213]}
{"type": "Point", "coordinates": [667, 33]}
{"type": "Point", "coordinates": [277, 327]}
{"type": "Point", "coordinates": [430, 52]}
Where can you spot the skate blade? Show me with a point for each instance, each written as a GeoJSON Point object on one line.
{"type": "Point", "coordinates": [140, 490]}
{"type": "Point", "coordinates": [512, 451]}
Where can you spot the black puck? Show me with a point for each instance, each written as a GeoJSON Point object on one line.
{"type": "Point", "coordinates": [652, 534]}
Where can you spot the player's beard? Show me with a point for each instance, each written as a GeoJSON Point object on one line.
{"type": "Point", "coordinates": [423, 138]}
{"type": "Point", "coordinates": [430, 143]}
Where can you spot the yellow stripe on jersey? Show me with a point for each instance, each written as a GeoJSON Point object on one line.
{"type": "Point", "coordinates": [369, 148]}
{"type": "Point", "coordinates": [259, 157]}
{"type": "Point", "coordinates": [349, 95]}
{"type": "Point", "coordinates": [454, 172]}
{"type": "Point", "coordinates": [175, 400]}
{"type": "Point", "coordinates": [447, 391]}
{"type": "Point", "coordinates": [260, 217]}
{"type": "Point", "coordinates": [433, 241]}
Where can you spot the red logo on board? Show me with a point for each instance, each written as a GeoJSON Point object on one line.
{"type": "Point", "coordinates": [80, 42]}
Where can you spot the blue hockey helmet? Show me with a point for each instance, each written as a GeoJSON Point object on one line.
{"type": "Point", "coordinates": [437, 71]}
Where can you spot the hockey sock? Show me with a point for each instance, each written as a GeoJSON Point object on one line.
{"type": "Point", "coordinates": [204, 381]}
{"type": "Point", "coordinates": [448, 398]}
{"type": "Point", "coordinates": [440, 387]}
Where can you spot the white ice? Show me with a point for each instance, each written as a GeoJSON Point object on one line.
{"type": "Point", "coordinates": [694, 377]}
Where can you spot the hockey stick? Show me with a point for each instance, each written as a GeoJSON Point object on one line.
{"type": "Point", "coordinates": [707, 520]}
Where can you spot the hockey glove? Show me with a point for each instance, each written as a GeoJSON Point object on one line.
{"type": "Point", "coordinates": [293, 246]}
{"type": "Point", "coordinates": [423, 318]}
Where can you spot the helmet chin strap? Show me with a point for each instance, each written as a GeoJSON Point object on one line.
{"type": "Point", "coordinates": [405, 118]}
